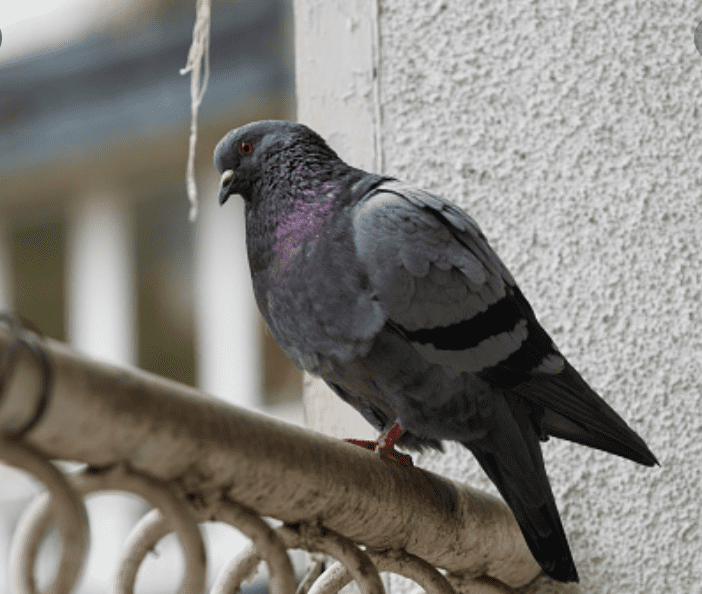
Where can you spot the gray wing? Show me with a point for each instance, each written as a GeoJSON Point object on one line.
{"type": "Point", "coordinates": [443, 286]}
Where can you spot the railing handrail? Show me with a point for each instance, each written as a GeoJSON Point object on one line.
{"type": "Point", "coordinates": [67, 406]}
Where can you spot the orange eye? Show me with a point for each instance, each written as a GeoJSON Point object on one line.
{"type": "Point", "coordinates": [246, 148]}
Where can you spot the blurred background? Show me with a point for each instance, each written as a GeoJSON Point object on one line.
{"type": "Point", "coordinates": [95, 244]}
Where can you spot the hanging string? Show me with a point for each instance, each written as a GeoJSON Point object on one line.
{"type": "Point", "coordinates": [198, 56]}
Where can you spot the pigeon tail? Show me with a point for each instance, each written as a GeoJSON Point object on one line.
{"type": "Point", "coordinates": [511, 457]}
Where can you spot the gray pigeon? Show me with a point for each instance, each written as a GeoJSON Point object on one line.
{"type": "Point", "coordinates": [395, 298]}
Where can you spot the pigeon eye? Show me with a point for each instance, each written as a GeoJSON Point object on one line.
{"type": "Point", "coordinates": [246, 148]}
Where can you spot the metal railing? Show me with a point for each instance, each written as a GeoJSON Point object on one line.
{"type": "Point", "coordinates": [197, 459]}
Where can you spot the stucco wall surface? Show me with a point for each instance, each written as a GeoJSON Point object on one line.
{"type": "Point", "coordinates": [571, 132]}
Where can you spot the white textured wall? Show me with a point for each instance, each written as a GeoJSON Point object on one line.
{"type": "Point", "coordinates": [572, 133]}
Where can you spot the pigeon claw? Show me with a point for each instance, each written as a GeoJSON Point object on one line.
{"type": "Point", "coordinates": [385, 445]}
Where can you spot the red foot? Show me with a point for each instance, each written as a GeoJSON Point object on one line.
{"type": "Point", "coordinates": [385, 445]}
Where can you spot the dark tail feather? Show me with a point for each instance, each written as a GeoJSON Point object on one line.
{"type": "Point", "coordinates": [562, 428]}
{"type": "Point", "coordinates": [574, 411]}
{"type": "Point", "coordinates": [511, 457]}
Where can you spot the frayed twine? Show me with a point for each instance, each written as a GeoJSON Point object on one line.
{"type": "Point", "coordinates": [198, 54]}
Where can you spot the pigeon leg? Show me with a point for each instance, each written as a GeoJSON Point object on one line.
{"type": "Point", "coordinates": [385, 445]}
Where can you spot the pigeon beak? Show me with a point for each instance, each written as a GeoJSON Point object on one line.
{"type": "Point", "coordinates": [224, 185]}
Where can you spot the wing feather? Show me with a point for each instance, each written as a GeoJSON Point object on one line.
{"type": "Point", "coordinates": [424, 242]}
{"type": "Point", "coordinates": [438, 279]}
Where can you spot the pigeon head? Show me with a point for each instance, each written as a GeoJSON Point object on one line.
{"type": "Point", "coordinates": [266, 149]}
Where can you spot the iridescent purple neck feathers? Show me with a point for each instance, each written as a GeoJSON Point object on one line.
{"type": "Point", "coordinates": [300, 229]}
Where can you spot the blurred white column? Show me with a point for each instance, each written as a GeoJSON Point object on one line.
{"type": "Point", "coordinates": [6, 280]}
{"type": "Point", "coordinates": [101, 283]}
{"type": "Point", "coordinates": [102, 323]}
{"type": "Point", "coordinates": [227, 327]}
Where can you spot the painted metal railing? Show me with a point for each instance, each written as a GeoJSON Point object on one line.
{"type": "Point", "coordinates": [197, 459]}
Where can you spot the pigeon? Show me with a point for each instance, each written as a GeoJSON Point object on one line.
{"type": "Point", "coordinates": [394, 297]}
